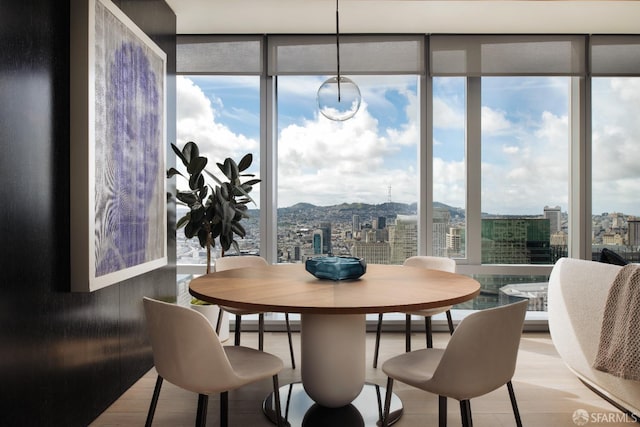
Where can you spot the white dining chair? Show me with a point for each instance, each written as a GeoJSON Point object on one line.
{"type": "Point", "coordinates": [434, 263]}
{"type": "Point", "coordinates": [479, 358]}
{"type": "Point", "coordinates": [231, 262]}
{"type": "Point", "coordinates": [187, 352]}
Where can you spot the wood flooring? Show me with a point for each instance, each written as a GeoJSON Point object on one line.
{"type": "Point", "coordinates": [548, 394]}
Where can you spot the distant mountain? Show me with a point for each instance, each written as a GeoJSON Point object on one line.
{"type": "Point", "coordinates": [301, 206]}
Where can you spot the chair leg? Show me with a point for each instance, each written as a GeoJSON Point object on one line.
{"type": "Point", "coordinates": [276, 397]}
{"type": "Point", "coordinates": [154, 402]}
{"type": "Point", "coordinates": [236, 340]}
{"type": "Point", "coordinates": [377, 349]}
{"type": "Point", "coordinates": [224, 409]}
{"type": "Point", "coordinates": [387, 403]}
{"type": "Point", "coordinates": [514, 404]}
{"type": "Point", "coordinates": [428, 331]}
{"type": "Point", "coordinates": [201, 417]}
{"type": "Point", "coordinates": [407, 333]}
{"type": "Point", "coordinates": [465, 412]}
{"type": "Point", "coordinates": [293, 360]}
{"type": "Point", "coordinates": [450, 321]}
{"type": "Point", "coordinates": [442, 411]}
{"type": "Point", "coordinates": [219, 321]}
{"type": "Point", "coordinates": [261, 331]}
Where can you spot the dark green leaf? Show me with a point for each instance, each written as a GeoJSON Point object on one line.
{"type": "Point", "coordinates": [229, 169]}
{"type": "Point", "coordinates": [245, 162]}
{"type": "Point", "coordinates": [190, 151]}
{"type": "Point", "coordinates": [216, 230]}
{"type": "Point", "coordinates": [187, 197]}
{"type": "Point", "coordinates": [190, 230]}
{"type": "Point", "coordinates": [198, 215]}
{"type": "Point", "coordinates": [196, 165]}
{"type": "Point", "coordinates": [176, 150]}
{"type": "Point", "coordinates": [224, 191]}
{"type": "Point", "coordinates": [195, 180]}
{"type": "Point", "coordinates": [252, 182]}
{"type": "Point", "coordinates": [204, 190]}
{"type": "Point", "coordinates": [238, 229]}
{"type": "Point", "coordinates": [225, 242]}
{"type": "Point", "coordinates": [183, 221]}
{"type": "Point", "coordinates": [173, 172]}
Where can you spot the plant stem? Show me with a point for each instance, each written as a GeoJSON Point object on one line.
{"type": "Point", "coordinates": [209, 253]}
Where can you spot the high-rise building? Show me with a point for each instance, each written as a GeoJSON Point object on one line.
{"type": "Point", "coordinates": [617, 220]}
{"type": "Point", "coordinates": [372, 253]}
{"type": "Point", "coordinates": [634, 232]}
{"type": "Point", "coordinates": [403, 238]}
{"type": "Point", "coordinates": [382, 223]}
{"type": "Point", "coordinates": [441, 218]}
{"type": "Point", "coordinates": [355, 224]}
{"type": "Point", "coordinates": [318, 242]}
{"type": "Point", "coordinates": [515, 241]}
{"type": "Point", "coordinates": [325, 229]}
{"type": "Point", "coordinates": [613, 239]}
{"type": "Point", "coordinates": [554, 215]}
{"type": "Point", "coordinates": [454, 242]}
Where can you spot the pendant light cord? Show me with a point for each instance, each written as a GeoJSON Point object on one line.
{"type": "Point", "coordinates": [338, 45]}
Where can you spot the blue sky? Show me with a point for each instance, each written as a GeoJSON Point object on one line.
{"type": "Point", "coordinates": [524, 152]}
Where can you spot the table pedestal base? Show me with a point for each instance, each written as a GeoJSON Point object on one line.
{"type": "Point", "coordinates": [298, 409]}
{"type": "Point", "coordinates": [333, 353]}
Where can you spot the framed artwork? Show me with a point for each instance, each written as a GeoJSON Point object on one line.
{"type": "Point", "coordinates": [118, 214]}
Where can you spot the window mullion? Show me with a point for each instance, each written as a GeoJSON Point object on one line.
{"type": "Point", "coordinates": [580, 169]}
{"type": "Point", "coordinates": [474, 177]}
{"type": "Point", "coordinates": [268, 168]}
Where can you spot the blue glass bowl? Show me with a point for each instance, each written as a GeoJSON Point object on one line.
{"type": "Point", "coordinates": [336, 267]}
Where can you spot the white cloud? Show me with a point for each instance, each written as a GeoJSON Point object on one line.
{"type": "Point", "coordinates": [533, 171]}
{"type": "Point", "coordinates": [616, 137]}
{"type": "Point", "coordinates": [510, 149]}
{"type": "Point", "coordinates": [445, 116]}
{"type": "Point", "coordinates": [449, 182]}
{"type": "Point", "coordinates": [325, 162]}
{"type": "Point", "coordinates": [494, 121]}
{"type": "Point", "coordinates": [197, 120]}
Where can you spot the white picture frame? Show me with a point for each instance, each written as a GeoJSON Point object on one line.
{"type": "Point", "coordinates": [118, 204]}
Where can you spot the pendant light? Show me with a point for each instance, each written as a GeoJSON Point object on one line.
{"type": "Point", "coordinates": [338, 97]}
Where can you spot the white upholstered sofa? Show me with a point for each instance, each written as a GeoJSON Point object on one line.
{"type": "Point", "coordinates": [577, 295]}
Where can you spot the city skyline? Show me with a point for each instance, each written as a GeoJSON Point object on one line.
{"type": "Point", "coordinates": [362, 223]}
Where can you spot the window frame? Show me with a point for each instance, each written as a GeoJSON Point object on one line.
{"type": "Point", "coordinates": [580, 158]}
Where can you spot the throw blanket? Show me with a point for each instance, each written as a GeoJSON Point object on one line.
{"type": "Point", "coordinates": [619, 348]}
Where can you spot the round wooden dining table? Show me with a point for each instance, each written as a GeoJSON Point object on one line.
{"type": "Point", "coordinates": [333, 324]}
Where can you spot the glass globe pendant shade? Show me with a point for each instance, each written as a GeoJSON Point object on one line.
{"type": "Point", "coordinates": [339, 98]}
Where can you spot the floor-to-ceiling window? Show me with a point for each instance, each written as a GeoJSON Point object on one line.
{"type": "Point", "coordinates": [222, 115]}
{"type": "Point", "coordinates": [511, 98]}
{"type": "Point", "coordinates": [449, 167]}
{"type": "Point", "coordinates": [348, 187]}
{"type": "Point", "coordinates": [615, 160]}
{"type": "Point", "coordinates": [475, 151]}
{"type": "Point", "coordinates": [525, 179]}
{"type": "Point", "coordinates": [615, 147]}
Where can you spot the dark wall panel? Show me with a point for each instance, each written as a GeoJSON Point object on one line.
{"type": "Point", "coordinates": [64, 357]}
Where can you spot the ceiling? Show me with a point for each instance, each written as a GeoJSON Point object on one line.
{"type": "Point", "coordinates": [406, 16]}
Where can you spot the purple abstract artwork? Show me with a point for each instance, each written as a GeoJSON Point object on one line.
{"type": "Point", "coordinates": [129, 160]}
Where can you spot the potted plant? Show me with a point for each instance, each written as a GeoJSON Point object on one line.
{"type": "Point", "coordinates": [215, 211]}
